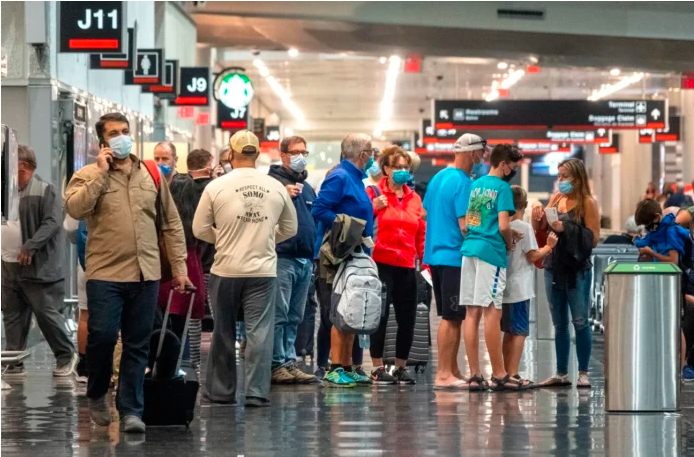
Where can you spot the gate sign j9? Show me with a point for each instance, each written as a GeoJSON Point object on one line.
{"type": "Point", "coordinates": [87, 27]}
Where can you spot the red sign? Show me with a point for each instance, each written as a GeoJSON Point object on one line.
{"type": "Point", "coordinates": [413, 63]}
{"type": "Point", "coordinates": [610, 148]}
{"type": "Point", "coordinates": [186, 112]}
{"type": "Point", "coordinates": [532, 69]}
{"type": "Point", "coordinates": [688, 81]}
{"type": "Point", "coordinates": [201, 118]}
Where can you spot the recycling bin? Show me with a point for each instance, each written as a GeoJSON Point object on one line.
{"type": "Point", "coordinates": [642, 337]}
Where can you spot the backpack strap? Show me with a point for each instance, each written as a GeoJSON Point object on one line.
{"type": "Point", "coordinates": [154, 172]}
{"type": "Point", "coordinates": [376, 190]}
{"type": "Point", "coordinates": [153, 169]}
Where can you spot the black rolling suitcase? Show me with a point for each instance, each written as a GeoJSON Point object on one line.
{"type": "Point", "coordinates": [170, 389]}
{"type": "Point", "coordinates": [419, 353]}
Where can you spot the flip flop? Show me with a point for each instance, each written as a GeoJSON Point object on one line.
{"type": "Point", "coordinates": [457, 385]}
{"type": "Point", "coordinates": [555, 382]}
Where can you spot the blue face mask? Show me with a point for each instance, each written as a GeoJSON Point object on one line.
{"type": "Point", "coordinates": [298, 163]}
{"type": "Point", "coordinates": [165, 169]}
{"type": "Point", "coordinates": [121, 146]}
{"type": "Point", "coordinates": [401, 177]}
{"type": "Point", "coordinates": [477, 169]}
{"type": "Point", "coordinates": [370, 163]}
{"type": "Point", "coordinates": [565, 187]}
{"type": "Point", "coordinates": [374, 170]}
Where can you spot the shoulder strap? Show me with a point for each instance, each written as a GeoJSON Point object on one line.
{"type": "Point", "coordinates": [153, 171]}
{"type": "Point", "coordinates": [156, 176]}
{"type": "Point", "coordinates": [377, 191]}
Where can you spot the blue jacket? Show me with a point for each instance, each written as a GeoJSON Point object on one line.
{"type": "Point", "coordinates": [669, 236]}
{"type": "Point", "coordinates": [299, 246]}
{"type": "Point", "coordinates": [82, 244]}
{"type": "Point", "coordinates": [342, 192]}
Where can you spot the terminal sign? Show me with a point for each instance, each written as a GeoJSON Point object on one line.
{"type": "Point", "coordinates": [194, 87]}
{"type": "Point", "coordinates": [549, 114]}
{"type": "Point", "coordinates": [87, 27]}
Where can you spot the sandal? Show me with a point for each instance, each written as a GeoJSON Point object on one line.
{"type": "Point", "coordinates": [481, 384]}
{"type": "Point", "coordinates": [500, 384]}
{"type": "Point", "coordinates": [525, 384]}
{"type": "Point", "coordinates": [583, 382]}
{"type": "Point", "coordinates": [457, 385]}
{"type": "Point", "coordinates": [558, 380]}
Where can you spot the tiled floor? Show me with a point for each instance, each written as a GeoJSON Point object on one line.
{"type": "Point", "coordinates": [43, 416]}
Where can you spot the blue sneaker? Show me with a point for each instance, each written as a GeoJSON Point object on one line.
{"type": "Point", "coordinates": [320, 372]}
{"type": "Point", "coordinates": [358, 376]}
{"type": "Point", "coordinates": [338, 378]}
{"type": "Point", "coordinates": [688, 373]}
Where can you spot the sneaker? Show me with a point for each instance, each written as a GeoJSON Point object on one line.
{"type": "Point", "coordinates": [358, 376]}
{"type": "Point", "coordinates": [282, 376]}
{"type": "Point", "coordinates": [99, 411]}
{"type": "Point", "coordinates": [320, 372]}
{"type": "Point", "coordinates": [402, 376]}
{"type": "Point", "coordinates": [687, 373]}
{"type": "Point", "coordinates": [68, 368]}
{"type": "Point", "coordinates": [299, 376]}
{"type": "Point", "coordinates": [132, 424]}
{"type": "Point", "coordinates": [81, 371]}
{"type": "Point", "coordinates": [14, 370]}
{"type": "Point", "coordinates": [338, 378]}
{"type": "Point", "coordinates": [381, 377]}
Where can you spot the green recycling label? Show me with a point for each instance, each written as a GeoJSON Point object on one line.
{"type": "Point", "coordinates": [643, 268]}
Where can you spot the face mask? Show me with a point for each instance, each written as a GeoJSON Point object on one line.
{"type": "Point", "coordinates": [121, 146]}
{"type": "Point", "coordinates": [370, 163]}
{"type": "Point", "coordinates": [477, 169]}
{"type": "Point", "coordinates": [653, 226]}
{"type": "Point", "coordinates": [510, 176]}
{"type": "Point", "coordinates": [374, 170]}
{"type": "Point", "coordinates": [298, 163]}
{"type": "Point", "coordinates": [227, 168]}
{"type": "Point", "coordinates": [165, 169]}
{"type": "Point", "coordinates": [565, 187]}
{"type": "Point", "coordinates": [401, 177]}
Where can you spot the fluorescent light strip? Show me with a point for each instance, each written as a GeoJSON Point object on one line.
{"type": "Point", "coordinates": [509, 81]}
{"type": "Point", "coordinates": [279, 90]}
{"type": "Point", "coordinates": [612, 88]}
{"type": "Point", "coordinates": [389, 93]}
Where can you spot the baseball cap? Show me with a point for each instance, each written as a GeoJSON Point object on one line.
{"type": "Point", "coordinates": [470, 142]}
{"type": "Point", "coordinates": [243, 139]}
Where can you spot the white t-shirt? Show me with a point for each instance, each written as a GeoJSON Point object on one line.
{"type": "Point", "coordinates": [11, 241]}
{"type": "Point", "coordinates": [520, 280]}
{"type": "Point", "coordinates": [244, 213]}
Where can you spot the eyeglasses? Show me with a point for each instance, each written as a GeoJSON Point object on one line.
{"type": "Point", "coordinates": [297, 152]}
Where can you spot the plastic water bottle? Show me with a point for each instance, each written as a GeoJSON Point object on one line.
{"type": "Point", "coordinates": [364, 341]}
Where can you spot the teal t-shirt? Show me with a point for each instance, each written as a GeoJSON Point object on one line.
{"type": "Point", "coordinates": [488, 197]}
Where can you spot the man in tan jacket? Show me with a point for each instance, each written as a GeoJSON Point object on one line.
{"type": "Point", "coordinates": [117, 197]}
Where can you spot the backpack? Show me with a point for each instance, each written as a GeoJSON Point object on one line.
{"type": "Point", "coordinates": [356, 303]}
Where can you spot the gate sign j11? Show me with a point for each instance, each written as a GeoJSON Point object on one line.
{"type": "Point", "coordinates": [87, 27]}
{"type": "Point", "coordinates": [550, 114]}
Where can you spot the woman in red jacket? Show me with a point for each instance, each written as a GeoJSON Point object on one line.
{"type": "Point", "coordinates": [399, 240]}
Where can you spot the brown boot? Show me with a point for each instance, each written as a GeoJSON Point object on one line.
{"type": "Point", "coordinates": [282, 376]}
{"type": "Point", "coordinates": [300, 377]}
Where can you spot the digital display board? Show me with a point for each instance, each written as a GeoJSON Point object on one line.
{"type": "Point", "coordinates": [576, 115]}
{"type": "Point", "coordinates": [86, 27]}
{"type": "Point", "coordinates": [193, 87]}
{"type": "Point", "coordinates": [232, 119]}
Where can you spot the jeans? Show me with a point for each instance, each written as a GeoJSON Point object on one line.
{"type": "Point", "coordinates": [305, 333]}
{"type": "Point", "coordinates": [130, 308]}
{"type": "Point", "coordinates": [257, 297]}
{"type": "Point", "coordinates": [293, 280]}
{"type": "Point", "coordinates": [561, 301]}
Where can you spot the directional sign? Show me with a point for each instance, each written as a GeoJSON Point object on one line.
{"type": "Point", "coordinates": [167, 89]}
{"type": "Point", "coordinates": [542, 147]}
{"type": "Point", "coordinates": [610, 148]}
{"type": "Point", "coordinates": [233, 119]}
{"type": "Point", "coordinates": [647, 135]}
{"type": "Point", "coordinates": [193, 87]}
{"type": "Point", "coordinates": [91, 27]}
{"type": "Point", "coordinates": [148, 68]}
{"type": "Point", "coordinates": [470, 115]}
{"type": "Point", "coordinates": [120, 61]}
{"type": "Point", "coordinates": [672, 132]}
{"type": "Point", "coordinates": [599, 136]}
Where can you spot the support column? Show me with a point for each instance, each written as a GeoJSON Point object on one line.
{"type": "Point", "coordinates": [687, 109]}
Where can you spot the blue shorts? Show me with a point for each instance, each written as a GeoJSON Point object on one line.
{"type": "Point", "coordinates": [514, 318]}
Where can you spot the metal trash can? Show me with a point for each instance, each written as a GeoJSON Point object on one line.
{"type": "Point", "coordinates": [642, 337]}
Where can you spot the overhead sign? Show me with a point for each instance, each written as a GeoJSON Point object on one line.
{"type": "Point", "coordinates": [598, 136]}
{"type": "Point", "coordinates": [121, 61]}
{"type": "Point", "coordinates": [233, 89]}
{"type": "Point", "coordinates": [186, 112]}
{"type": "Point", "coordinates": [610, 148]}
{"type": "Point", "coordinates": [470, 115]}
{"type": "Point", "coordinates": [202, 119]}
{"type": "Point", "coordinates": [647, 135]}
{"type": "Point", "coordinates": [272, 132]}
{"type": "Point", "coordinates": [528, 146]}
{"type": "Point", "coordinates": [91, 27]}
{"type": "Point", "coordinates": [259, 126]}
{"type": "Point", "coordinates": [193, 87]}
{"type": "Point", "coordinates": [670, 133]}
{"type": "Point", "coordinates": [148, 68]}
{"type": "Point", "coordinates": [231, 118]}
{"type": "Point", "coordinates": [167, 89]}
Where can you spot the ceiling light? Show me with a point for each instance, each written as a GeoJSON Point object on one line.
{"type": "Point", "coordinates": [293, 52]}
{"type": "Point", "coordinates": [383, 60]}
{"type": "Point", "coordinates": [502, 66]}
{"type": "Point", "coordinates": [533, 59]}
{"type": "Point", "coordinates": [615, 72]}
{"type": "Point", "coordinates": [509, 81]}
{"type": "Point", "coordinates": [279, 90]}
{"type": "Point", "coordinates": [609, 89]}
{"type": "Point", "coordinates": [378, 132]}
{"type": "Point", "coordinates": [389, 93]}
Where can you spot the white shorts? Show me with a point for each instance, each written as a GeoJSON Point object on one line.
{"type": "Point", "coordinates": [81, 288]}
{"type": "Point", "coordinates": [481, 283]}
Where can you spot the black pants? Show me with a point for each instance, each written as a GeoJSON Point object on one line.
{"type": "Point", "coordinates": [401, 291]}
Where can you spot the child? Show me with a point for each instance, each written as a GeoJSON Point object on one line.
{"type": "Point", "coordinates": [483, 274]}
{"type": "Point", "coordinates": [519, 288]}
{"type": "Point", "coordinates": [668, 242]}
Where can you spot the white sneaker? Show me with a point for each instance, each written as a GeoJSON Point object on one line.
{"type": "Point", "coordinates": [67, 369]}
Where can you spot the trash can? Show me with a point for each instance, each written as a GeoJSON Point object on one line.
{"type": "Point", "coordinates": [642, 337]}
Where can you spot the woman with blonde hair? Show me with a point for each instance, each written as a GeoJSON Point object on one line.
{"type": "Point", "coordinates": [568, 274]}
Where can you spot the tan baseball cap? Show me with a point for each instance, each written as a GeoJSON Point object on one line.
{"type": "Point", "coordinates": [243, 139]}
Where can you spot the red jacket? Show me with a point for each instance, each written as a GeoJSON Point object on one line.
{"type": "Point", "coordinates": [401, 230]}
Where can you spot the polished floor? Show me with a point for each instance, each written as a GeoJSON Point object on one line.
{"type": "Point", "coordinates": [43, 416]}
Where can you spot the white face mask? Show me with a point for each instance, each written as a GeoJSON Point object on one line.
{"type": "Point", "coordinates": [227, 168]}
{"type": "Point", "coordinates": [121, 146]}
{"type": "Point", "coordinates": [298, 163]}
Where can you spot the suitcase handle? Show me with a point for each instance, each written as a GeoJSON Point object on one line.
{"type": "Point", "coordinates": [189, 290]}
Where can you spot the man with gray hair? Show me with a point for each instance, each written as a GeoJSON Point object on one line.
{"type": "Point", "coordinates": [342, 192]}
{"type": "Point", "coordinates": [32, 271]}
{"type": "Point", "coordinates": [166, 159]}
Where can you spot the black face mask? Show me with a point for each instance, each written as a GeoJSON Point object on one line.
{"type": "Point", "coordinates": [653, 226]}
{"type": "Point", "coordinates": [509, 176]}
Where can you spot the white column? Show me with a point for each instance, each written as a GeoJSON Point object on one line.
{"type": "Point", "coordinates": [687, 109]}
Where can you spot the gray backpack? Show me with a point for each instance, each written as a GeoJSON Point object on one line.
{"type": "Point", "coordinates": [356, 297]}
